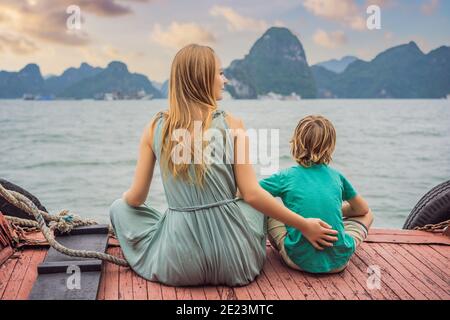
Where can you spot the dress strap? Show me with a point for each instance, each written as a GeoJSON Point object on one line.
{"type": "Point", "coordinates": [220, 114]}
{"type": "Point", "coordinates": [157, 133]}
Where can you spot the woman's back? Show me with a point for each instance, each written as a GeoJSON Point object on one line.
{"type": "Point", "coordinates": [219, 183]}
{"type": "Point", "coordinates": [205, 237]}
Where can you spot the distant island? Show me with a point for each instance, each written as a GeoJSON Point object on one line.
{"type": "Point", "coordinates": [275, 68]}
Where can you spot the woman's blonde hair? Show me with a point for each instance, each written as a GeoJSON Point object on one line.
{"type": "Point", "coordinates": [191, 91]}
{"type": "Point", "coordinates": [313, 141]}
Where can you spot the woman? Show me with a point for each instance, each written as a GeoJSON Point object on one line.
{"type": "Point", "coordinates": [206, 236]}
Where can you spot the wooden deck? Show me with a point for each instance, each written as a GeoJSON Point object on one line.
{"type": "Point", "coordinates": [412, 264]}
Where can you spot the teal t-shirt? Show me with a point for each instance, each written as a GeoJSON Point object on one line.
{"type": "Point", "coordinates": [314, 192]}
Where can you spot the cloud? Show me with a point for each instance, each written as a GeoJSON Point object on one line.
{"type": "Point", "coordinates": [381, 3]}
{"type": "Point", "coordinates": [237, 22]}
{"type": "Point", "coordinates": [279, 23]}
{"type": "Point", "coordinates": [388, 35]}
{"type": "Point", "coordinates": [46, 19]}
{"type": "Point", "coordinates": [178, 35]}
{"type": "Point", "coordinates": [429, 7]}
{"type": "Point", "coordinates": [344, 11]}
{"type": "Point", "coordinates": [329, 40]}
{"type": "Point", "coordinates": [16, 44]}
{"type": "Point", "coordinates": [98, 54]}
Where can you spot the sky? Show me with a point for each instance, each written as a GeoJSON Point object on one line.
{"type": "Point", "coordinates": [146, 34]}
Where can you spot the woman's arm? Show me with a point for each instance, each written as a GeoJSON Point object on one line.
{"type": "Point", "coordinates": [137, 194]}
{"type": "Point", "coordinates": [355, 207]}
{"type": "Point", "coordinates": [316, 231]}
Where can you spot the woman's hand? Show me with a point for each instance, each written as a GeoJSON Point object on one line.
{"type": "Point", "coordinates": [319, 233]}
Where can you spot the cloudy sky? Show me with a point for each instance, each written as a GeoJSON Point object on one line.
{"type": "Point", "coordinates": [146, 34]}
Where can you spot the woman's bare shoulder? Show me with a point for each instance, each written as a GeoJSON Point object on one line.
{"type": "Point", "coordinates": [233, 121]}
{"type": "Point", "coordinates": [151, 125]}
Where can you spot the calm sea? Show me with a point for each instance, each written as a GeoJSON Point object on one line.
{"type": "Point", "coordinates": [81, 155]}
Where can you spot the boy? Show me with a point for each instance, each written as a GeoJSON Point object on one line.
{"type": "Point", "coordinates": [315, 190]}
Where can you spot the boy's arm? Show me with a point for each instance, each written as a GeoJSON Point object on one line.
{"type": "Point", "coordinates": [355, 207]}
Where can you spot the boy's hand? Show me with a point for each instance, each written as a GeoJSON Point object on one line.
{"type": "Point", "coordinates": [319, 233]}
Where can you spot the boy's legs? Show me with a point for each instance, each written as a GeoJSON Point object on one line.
{"type": "Point", "coordinates": [277, 232]}
{"type": "Point", "coordinates": [358, 227]}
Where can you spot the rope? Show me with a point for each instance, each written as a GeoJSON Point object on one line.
{"type": "Point", "coordinates": [438, 227]}
{"type": "Point", "coordinates": [22, 222]}
{"type": "Point", "coordinates": [62, 222]}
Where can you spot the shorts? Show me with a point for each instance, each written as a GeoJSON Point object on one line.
{"type": "Point", "coordinates": [277, 233]}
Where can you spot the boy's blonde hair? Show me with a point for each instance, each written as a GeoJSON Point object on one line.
{"type": "Point", "coordinates": [313, 141]}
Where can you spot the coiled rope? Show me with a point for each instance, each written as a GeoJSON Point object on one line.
{"type": "Point", "coordinates": [63, 222]}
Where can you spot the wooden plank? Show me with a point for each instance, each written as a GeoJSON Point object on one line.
{"type": "Point", "coordinates": [154, 291]}
{"type": "Point", "coordinates": [440, 258]}
{"type": "Point", "coordinates": [442, 250]}
{"type": "Point", "coordinates": [112, 278]}
{"type": "Point", "coordinates": [275, 281]}
{"type": "Point", "coordinates": [5, 253]}
{"type": "Point", "coordinates": [51, 282]}
{"type": "Point", "coordinates": [318, 286]}
{"type": "Point", "coordinates": [168, 292]}
{"type": "Point", "coordinates": [241, 293]}
{"type": "Point", "coordinates": [284, 276]}
{"type": "Point", "coordinates": [310, 291]}
{"type": "Point", "coordinates": [359, 268]}
{"type": "Point", "coordinates": [197, 293]}
{"type": "Point", "coordinates": [6, 271]}
{"type": "Point", "coordinates": [86, 230]}
{"type": "Point", "coordinates": [264, 284]}
{"type": "Point", "coordinates": [53, 286]}
{"type": "Point", "coordinates": [211, 293]}
{"type": "Point", "coordinates": [101, 288]}
{"type": "Point", "coordinates": [254, 291]}
{"type": "Point", "coordinates": [411, 262]}
{"type": "Point", "coordinates": [398, 262]}
{"type": "Point", "coordinates": [443, 262]}
{"type": "Point", "coordinates": [385, 270]}
{"type": "Point", "coordinates": [326, 281]}
{"type": "Point", "coordinates": [423, 253]}
{"type": "Point", "coordinates": [183, 293]}
{"type": "Point", "coordinates": [401, 232]}
{"type": "Point", "coordinates": [226, 293]}
{"type": "Point", "coordinates": [409, 239]}
{"type": "Point", "coordinates": [307, 290]}
{"type": "Point", "coordinates": [343, 287]}
{"type": "Point", "coordinates": [61, 266]}
{"type": "Point", "coordinates": [406, 236]}
{"type": "Point", "coordinates": [125, 281]}
{"type": "Point", "coordinates": [20, 269]}
{"type": "Point", "coordinates": [139, 287]}
{"type": "Point", "coordinates": [388, 270]}
{"type": "Point", "coordinates": [350, 276]}
{"type": "Point", "coordinates": [31, 274]}
{"type": "Point", "coordinates": [113, 242]}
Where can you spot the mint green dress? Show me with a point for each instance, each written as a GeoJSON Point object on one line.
{"type": "Point", "coordinates": [206, 236]}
